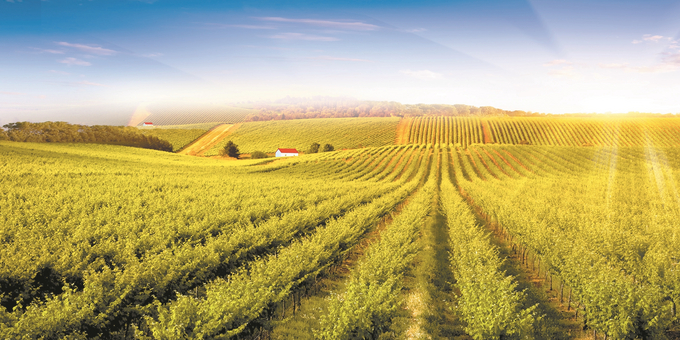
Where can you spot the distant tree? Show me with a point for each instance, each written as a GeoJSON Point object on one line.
{"type": "Point", "coordinates": [230, 150]}
{"type": "Point", "coordinates": [328, 147]}
{"type": "Point", "coordinates": [3, 135]}
{"type": "Point", "coordinates": [314, 148]}
{"type": "Point", "coordinates": [258, 155]}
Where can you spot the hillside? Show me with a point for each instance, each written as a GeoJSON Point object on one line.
{"type": "Point", "coordinates": [132, 240]}
{"type": "Point", "coordinates": [342, 133]}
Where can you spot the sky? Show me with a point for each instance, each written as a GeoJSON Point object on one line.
{"type": "Point", "coordinates": [95, 61]}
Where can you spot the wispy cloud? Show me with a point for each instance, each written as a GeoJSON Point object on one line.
{"type": "Point", "coordinates": [347, 25]}
{"type": "Point", "coordinates": [88, 49]}
{"type": "Point", "coordinates": [268, 47]}
{"type": "Point", "coordinates": [41, 50]}
{"type": "Point", "coordinates": [59, 72]}
{"type": "Point", "coordinates": [614, 66]}
{"type": "Point", "coordinates": [565, 72]}
{"type": "Point", "coordinates": [669, 63]}
{"type": "Point", "coordinates": [12, 1]}
{"type": "Point", "coordinates": [414, 30]}
{"type": "Point", "coordinates": [73, 61]}
{"type": "Point", "coordinates": [88, 83]}
{"type": "Point", "coordinates": [653, 38]}
{"type": "Point", "coordinates": [13, 93]}
{"type": "Point", "coordinates": [302, 36]}
{"type": "Point", "coordinates": [250, 27]}
{"type": "Point", "coordinates": [340, 59]}
{"type": "Point", "coordinates": [422, 74]}
{"type": "Point", "coordinates": [558, 62]}
{"type": "Point", "coordinates": [153, 55]}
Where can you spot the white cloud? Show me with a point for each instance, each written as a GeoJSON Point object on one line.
{"type": "Point", "coordinates": [59, 72]}
{"type": "Point", "coordinates": [89, 49]}
{"type": "Point", "coordinates": [422, 74]}
{"type": "Point", "coordinates": [349, 25]}
{"type": "Point", "coordinates": [13, 93]}
{"type": "Point", "coordinates": [73, 61]}
{"type": "Point", "coordinates": [653, 38]}
{"type": "Point", "coordinates": [152, 55]}
{"type": "Point", "coordinates": [301, 36]}
{"type": "Point", "coordinates": [340, 59]}
{"type": "Point", "coordinates": [558, 62]}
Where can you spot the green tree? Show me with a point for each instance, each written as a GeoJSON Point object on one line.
{"type": "Point", "coordinates": [314, 148]}
{"type": "Point", "coordinates": [230, 150]}
{"type": "Point", "coordinates": [328, 147]}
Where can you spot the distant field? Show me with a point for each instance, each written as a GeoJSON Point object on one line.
{"type": "Point", "coordinates": [178, 137]}
{"type": "Point", "coordinates": [178, 115]}
{"type": "Point", "coordinates": [199, 126]}
{"type": "Point", "coordinates": [300, 134]}
{"type": "Point", "coordinates": [556, 131]}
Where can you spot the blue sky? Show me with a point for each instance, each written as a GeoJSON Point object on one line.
{"type": "Point", "coordinates": [96, 61]}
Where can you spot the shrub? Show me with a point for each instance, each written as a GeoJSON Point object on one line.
{"type": "Point", "coordinates": [230, 150]}
{"type": "Point", "coordinates": [258, 155]}
{"type": "Point", "coordinates": [328, 147]}
{"type": "Point", "coordinates": [314, 148]}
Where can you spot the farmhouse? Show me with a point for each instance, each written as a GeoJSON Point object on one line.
{"type": "Point", "coordinates": [286, 152]}
{"type": "Point", "coordinates": [148, 124]}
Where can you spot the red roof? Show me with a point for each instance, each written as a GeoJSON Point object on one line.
{"type": "Point", "coordinates": [147, 123]}
{"type": "Point", "coordinates": [287, 150]}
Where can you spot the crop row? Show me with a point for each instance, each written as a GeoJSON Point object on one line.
{"type": "Point", "coordinates": [544, 131]}
{"type": "Point", "coordinates": [600, 221]}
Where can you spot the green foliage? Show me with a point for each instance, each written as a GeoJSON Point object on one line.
{"type": "Point", "coordinates": [342, 133]}
{"type": "Point", "coordinates": [258, 155]}
{"type": "Point", "coordinates": [595, 218]}
{"type": "Point", "coordinates": [327, 148]}
{"type": "Point", "coordinates": [230, 149]}
{"type": "Point", "coordinates": [489, 302]}
{"type": "Point", "coordinates": [314, 148]}
{"type": "Point", "coordinates": [371, 298]}
{"type": "Point", "coordinates": [121, 254]}
{"type": "Point", "coordinates": [61, 132]}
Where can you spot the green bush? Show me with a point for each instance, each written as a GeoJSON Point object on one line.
{"type": "Point", "coordinates": [258, 155]}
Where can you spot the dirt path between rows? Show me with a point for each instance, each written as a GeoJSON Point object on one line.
{"type": "Point", "coordinates": [204, 143]}
{"type": "Point", "coordinates": [402, 131]}
{"type": "Point", "coordinates": [486, 130]}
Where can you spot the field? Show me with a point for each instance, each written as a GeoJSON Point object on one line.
{"type": "Point", "coordinates": [178, 137]}
{"type": "Point", "coordinates": [463, 232]}
{"type": "Point", "coordinates": [543, 131]}
{"type": "Point", "coordinates": [342, 133]}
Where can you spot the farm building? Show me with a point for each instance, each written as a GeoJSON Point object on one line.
{"type": "Point", "coordinates": [148, 124]}
{"type": "Point", "coordinates": [286, 152]}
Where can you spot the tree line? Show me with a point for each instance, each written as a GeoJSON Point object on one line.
{"type": "Point", "coordinates": [328, 107]}
{"type": "Point", "coordinates": [62, 132]}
